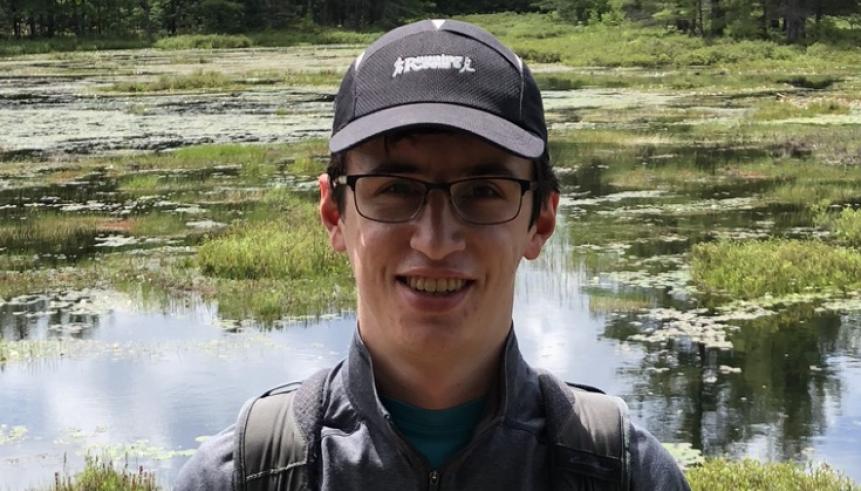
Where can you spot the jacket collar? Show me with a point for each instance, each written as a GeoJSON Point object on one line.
{"type": "Point", "coordinates": [515, 377]}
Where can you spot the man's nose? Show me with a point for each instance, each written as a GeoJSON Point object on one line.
{"type": "Point", "coordinates": [438, 231]}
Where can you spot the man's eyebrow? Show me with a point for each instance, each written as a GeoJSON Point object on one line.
{"type": "Point", "coordinates": [490, 169]}
{"type": "Point", "coordinates": [393, 167]}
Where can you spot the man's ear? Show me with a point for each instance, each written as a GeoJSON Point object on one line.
{"type": "Point", "coordinates": [543, 227]}
{"type": "Point", "coordinates": [330, 215]}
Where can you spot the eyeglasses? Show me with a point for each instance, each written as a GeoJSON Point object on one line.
{"type": "Point", "coordinates": [476, 200]}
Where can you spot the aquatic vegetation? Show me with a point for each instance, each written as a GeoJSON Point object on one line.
{"type": "Point", "coordinates": [99, 474]}
{"type": "Point", "coordinates": [313, 79]}
{"type": "Point", "coordinates": [845, 226]}
{"type": "Point", "coordinates": [751, 269]}
{"type": "Point", "coordinates": [140, 183]}
{"type": "Point", "coordinates": [288, 245]}
{"type": "Point", "coordinates": [726, 475]}
{"type": "Point", "coordinates": [10, 434]}
{"type": "Point", "coordinates": [670, 324]}
{"type": "Point", "coordinates": [195, 81]}
{"type": "Point", "coordinates": [158, 224]}
{"type": "Point", "coordinates": [795, 108]}
{"type": "Point", "coordinates": [603, 301]}
{"type": "Point", "coordinates": [51, 232]}
{"type": "Point", "coordinates": [203, 41]}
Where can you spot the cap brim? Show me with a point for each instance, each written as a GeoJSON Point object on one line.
{"type": "Point", "coordinates": [481, 123]}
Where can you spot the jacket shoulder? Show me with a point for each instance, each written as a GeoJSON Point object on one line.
{"type": "Point", "coordinates": [211, 466]}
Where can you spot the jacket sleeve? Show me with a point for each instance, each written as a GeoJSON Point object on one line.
{"type": "Point", "coordinates": [652, 466]}
{"type": "Point", "coordinates": [211, 467]}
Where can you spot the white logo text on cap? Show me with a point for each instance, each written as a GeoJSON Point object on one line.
{"type": "Point", "coordinates": [463, 64]}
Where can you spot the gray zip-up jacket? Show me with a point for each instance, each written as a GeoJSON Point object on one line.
{"type": "Point", "coordinates": [360, 449]}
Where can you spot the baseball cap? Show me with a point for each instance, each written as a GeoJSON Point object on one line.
{"type": "Point", "coordinates": [440, 73]}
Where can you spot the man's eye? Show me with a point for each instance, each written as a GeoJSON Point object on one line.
{"type": "Point", "coordinates": [483, 190]}
{"type": "Point", "coordinates": [397, 188]}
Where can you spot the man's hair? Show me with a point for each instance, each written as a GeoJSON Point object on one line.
{"type": "Point", "coordinates": [544, 175]}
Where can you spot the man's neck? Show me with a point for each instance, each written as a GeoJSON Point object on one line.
{"type": "Point", "coordinates": [435, 383]}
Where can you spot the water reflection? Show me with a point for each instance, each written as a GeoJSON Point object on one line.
{"type": "Point", "coordinates": [145, 366]}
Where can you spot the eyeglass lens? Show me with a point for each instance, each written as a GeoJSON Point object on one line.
{"type": "Point", "coordinates": [479, 200]}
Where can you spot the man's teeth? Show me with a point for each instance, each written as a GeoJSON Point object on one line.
{"type": "Point", "coordinates": [435, 285]}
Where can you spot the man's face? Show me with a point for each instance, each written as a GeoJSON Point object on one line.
{"type": "Point", "coordinates": [394, 262]}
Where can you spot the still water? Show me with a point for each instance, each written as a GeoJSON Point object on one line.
{"type": "Point", "coordinates": [147, 384]}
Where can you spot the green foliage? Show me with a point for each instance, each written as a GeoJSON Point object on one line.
{"type": "Point", "coordinates": [845, 225]}
{"type": "Point", "coordinates": [195, 81]}
{"type": "Point", "coordinates": [750, 475]}
{"type": "Point", "coordinates": [157, 224]}
{"type": "Point", "coordinates": [50, 232]}
{"type": "Point", "coordinates": [787, 108]}
{"type": "Point", "coordinates": [203, 41]}
{"type": "Point", "coordinates": [100, 475]}
{"type": "Point", "coordinates": [286, 241]}
{"type": "Point", "coordinates": [776, 267]}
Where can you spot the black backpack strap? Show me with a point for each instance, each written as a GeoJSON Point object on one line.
{"type": "Point", "coordinates": [589, 436]}
{"type": "Point", "coordinates": [277, 436]}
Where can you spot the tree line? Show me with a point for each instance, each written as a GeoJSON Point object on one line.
{"type": "Point", "coordinates": [97, 18]}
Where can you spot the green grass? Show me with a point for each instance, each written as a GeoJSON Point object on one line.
{"type": "Point", "coordinates": [312, 34]}
{"type": "Point", "coordinates": [786, 109]}
{"type": "Point", "coordinates": [255, 161]}
{"type": "Point", "coordinates": [50, 232]}
{"type": "Point", "coordinates": [61, 44]}
{"type": "Point", "coordinates": [777, 267]}
{"type": "Point", "coordinates": [101, 475]}
{"type": "Point", "coordinates": [845, 225]}
{"type": "Point", "coordinates": [157, 224]}
{"type": "Point", "coordinates": [198, 80]}
{"type": "Point", "coordinates": [287, 242]}
{"type": "Point", "coordinates": [203, 41]}
{"type": "Point", "coordinates": [750, 475]}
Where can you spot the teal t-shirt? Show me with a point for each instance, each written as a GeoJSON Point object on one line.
{"type": "Point", "coordinates": [435, 433]}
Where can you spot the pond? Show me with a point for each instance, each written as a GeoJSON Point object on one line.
{"type": "Point", "coordinates": [609, 303]}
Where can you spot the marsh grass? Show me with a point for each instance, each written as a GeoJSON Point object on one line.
{"type": "Point", "coordinates": [816, 194]}
{"type": "Point", "coordinates": [313, 79]}
{"type": "Point", "coordinates": [604, 301]}
{"type": "Point", "coordinates": [101, 475]}
{"type": "Point", "coordinates": [750, 475]}
{"type": "Point", "coordinates": [774, 267]}
{"type": "Point", "coordinates": [787, 108]}
{"type": "Point", "coordinates": [157, 224]}
{"type": "Point", "coordinates": [312, 34]}
{"type": "Point", "coordinates": [198, 80]}
{"type": "Point", "coordinates": [61, 44]}
{"type": "Point", "coordinates": [203, 41]}
{"type": "Point", "coordinates": [50, 232]}
{"type": "Point", "coordinates": [256, 162]}
{"type": "Point", "coordinates": [844, 225]}
{"type": "Point", "coordinates": [287, 241]}
{"type": "Point", "coordinates": [139, 183]}
{"type": "Point", "coordinates": [544, 38]}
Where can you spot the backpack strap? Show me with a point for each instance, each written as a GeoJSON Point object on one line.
{"type": "Point", "coordinates": [588, 432]}
{"type": "Point", "coordinates": [277, 435]}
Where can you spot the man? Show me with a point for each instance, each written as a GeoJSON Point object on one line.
{"type": "Point", "coordinates": [439, 185]}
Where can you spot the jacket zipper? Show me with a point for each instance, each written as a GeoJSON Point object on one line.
{"type": "Point", "coordinates": [433, 481]}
